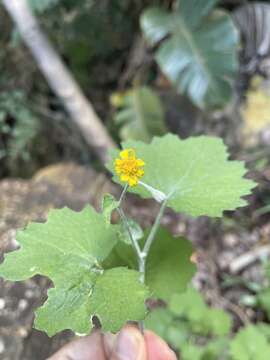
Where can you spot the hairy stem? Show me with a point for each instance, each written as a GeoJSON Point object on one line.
{"type": "Point", "coordinates": [149, 241]}
{"type": "Point", "coordinates": [141, 254]}
{"type": "Point", "coordinates": [122, 195]}
{"type": "Point", "coordinates": [154, 229]}
{"type": "Point", "coordinates": [133, 241]}
{"type": "Point", "coordinates": [126, 225]}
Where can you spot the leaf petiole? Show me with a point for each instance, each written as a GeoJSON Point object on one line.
{"type": "Point", "coordinates": [150, 239]}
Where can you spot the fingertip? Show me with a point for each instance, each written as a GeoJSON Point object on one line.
{"type": "Point", "coordinates": [129, 344]}
{"type": "Point", "coordinates": [157, 349]}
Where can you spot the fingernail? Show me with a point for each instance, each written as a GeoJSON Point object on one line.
{"type": "Point", "coordinates": [129, 345]}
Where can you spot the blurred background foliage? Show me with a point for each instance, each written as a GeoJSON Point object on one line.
{"type": "Point", "coordinates": [94, 39]}
{"type": "Point", "coordinates": [128, 49]}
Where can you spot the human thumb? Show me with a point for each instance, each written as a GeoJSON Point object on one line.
{"type": "Point", "coordinates": [129, 344]}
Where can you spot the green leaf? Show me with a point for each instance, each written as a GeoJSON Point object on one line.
{"type": "Point", "coordinates": [168, 267]}
{"type": "Point", "coordinates": [26, 127]}
{"type": "Point", "coordinates": [67, 306]}
{"type": "Point", "coordinates": [141, 115]}
{"type": "Point", "coordinates": [158, 321]}
{"type": "Point", "coordinates": [203, 320]}
{"type": "Point", "coordinates": [195, 174]}
{"type": "Point", "coordinates": [264, 301]}
{"type": "Point", "coordinates": [164, 324]}
{"type": "Point", "coordinates": [250, 344]}
{"type": "Point", "coordinates": [219, 322]}
{"type": "Point", "coordinates": [80, 235]}
{"type": "Point", "coordinates": [134, 228]}
{"type": "Point", "coordinates": [122, 255]}
{"type": "Point", "coordinates": [190, 304]}
{"type": "Point", "coordinates": [216, 349]}
{"type": "Point", "coordinates": [109, 203]}
{"type": "Point", "coordinates": [199, 54]}
{"type": "Point", "coordinates": [42, 5]}
{"type": "Point", "coordinates": [190, 351]}
{"type": "Point", "coordinates": [119, 296]}
{"type": "Point", "coordinates": [264, 329]}
{"type": "Point", "coordinates": [70, 248]}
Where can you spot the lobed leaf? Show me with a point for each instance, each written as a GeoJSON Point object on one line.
{"type": "Point", "coordinates": [119, 296]}
{"type": "Point", "coordinates": [194, 174]}
{"type": "Point", "coordinates": [70, 248]}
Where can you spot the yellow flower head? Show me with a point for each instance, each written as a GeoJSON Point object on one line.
{"type": "Point", "coordinates": [128, 167]}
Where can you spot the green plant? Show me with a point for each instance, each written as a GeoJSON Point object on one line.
{"type": "Point", "coordinates": [95, 272]}
{"type": "Point", "coordinates": [191, 327]}
{"type": "Point", "coordinates": [139, 115]}
{"type": "Point", "coordinates": [42, 5]}
{"type": "Point", "coordinates": [202, 333]}
{"type": "Point", "coordinates": [262, 296]}
{"type": "Point", "coordinates": [197, 49]}
{"type": "Point", "coordinates": [251, 343]}
{"type": "Point", "coordinates": [21, 130]}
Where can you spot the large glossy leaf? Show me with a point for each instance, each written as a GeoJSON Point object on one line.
{"type": "Point", "coordinates": [199, 52]}
{"type": "Point", "coordinates": [194, 174]}
{"type": "Point", "coordinates": [141, 115]}
{"type": "Point", "coordinates": [70, 248]}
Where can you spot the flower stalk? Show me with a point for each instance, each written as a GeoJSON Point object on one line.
{"type": "Point", "coordinates": [142, 254]}
{"type": "Point", "coordinates": [126, 224]}
{"type": "Point", "coordinates": [130, 170]}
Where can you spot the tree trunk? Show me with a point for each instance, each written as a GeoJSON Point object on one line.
{"type": "Point", "coordinates": [59, 78]}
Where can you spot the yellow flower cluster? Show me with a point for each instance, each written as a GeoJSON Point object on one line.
{"type": "Point", "coordinates": [128, 167]}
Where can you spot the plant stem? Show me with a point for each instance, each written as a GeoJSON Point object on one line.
{"type": "Point", "coordinates": [154, 229]}
{"type": "Point", "coordinates": [133, 241]}
{"type": "Point", "coordinates": [149, 241]}
{"type": "Point", "coordinates": [122, 195]}
{"type": "Point", "coordinates": [141, 254]}
{"type": "Point", "coordinates": [126, 225]}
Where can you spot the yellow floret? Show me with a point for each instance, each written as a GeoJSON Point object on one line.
{"type": "Point", "coordinates": [128, 167]}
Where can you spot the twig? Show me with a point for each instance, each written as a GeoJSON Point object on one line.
{"type": "Point", "coordinates": [248, 258]}
{"type": "Point", "coordinates": [59, 78]}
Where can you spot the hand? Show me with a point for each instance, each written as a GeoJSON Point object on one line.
{"type": "Point", "coordinates": [129, 344]}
